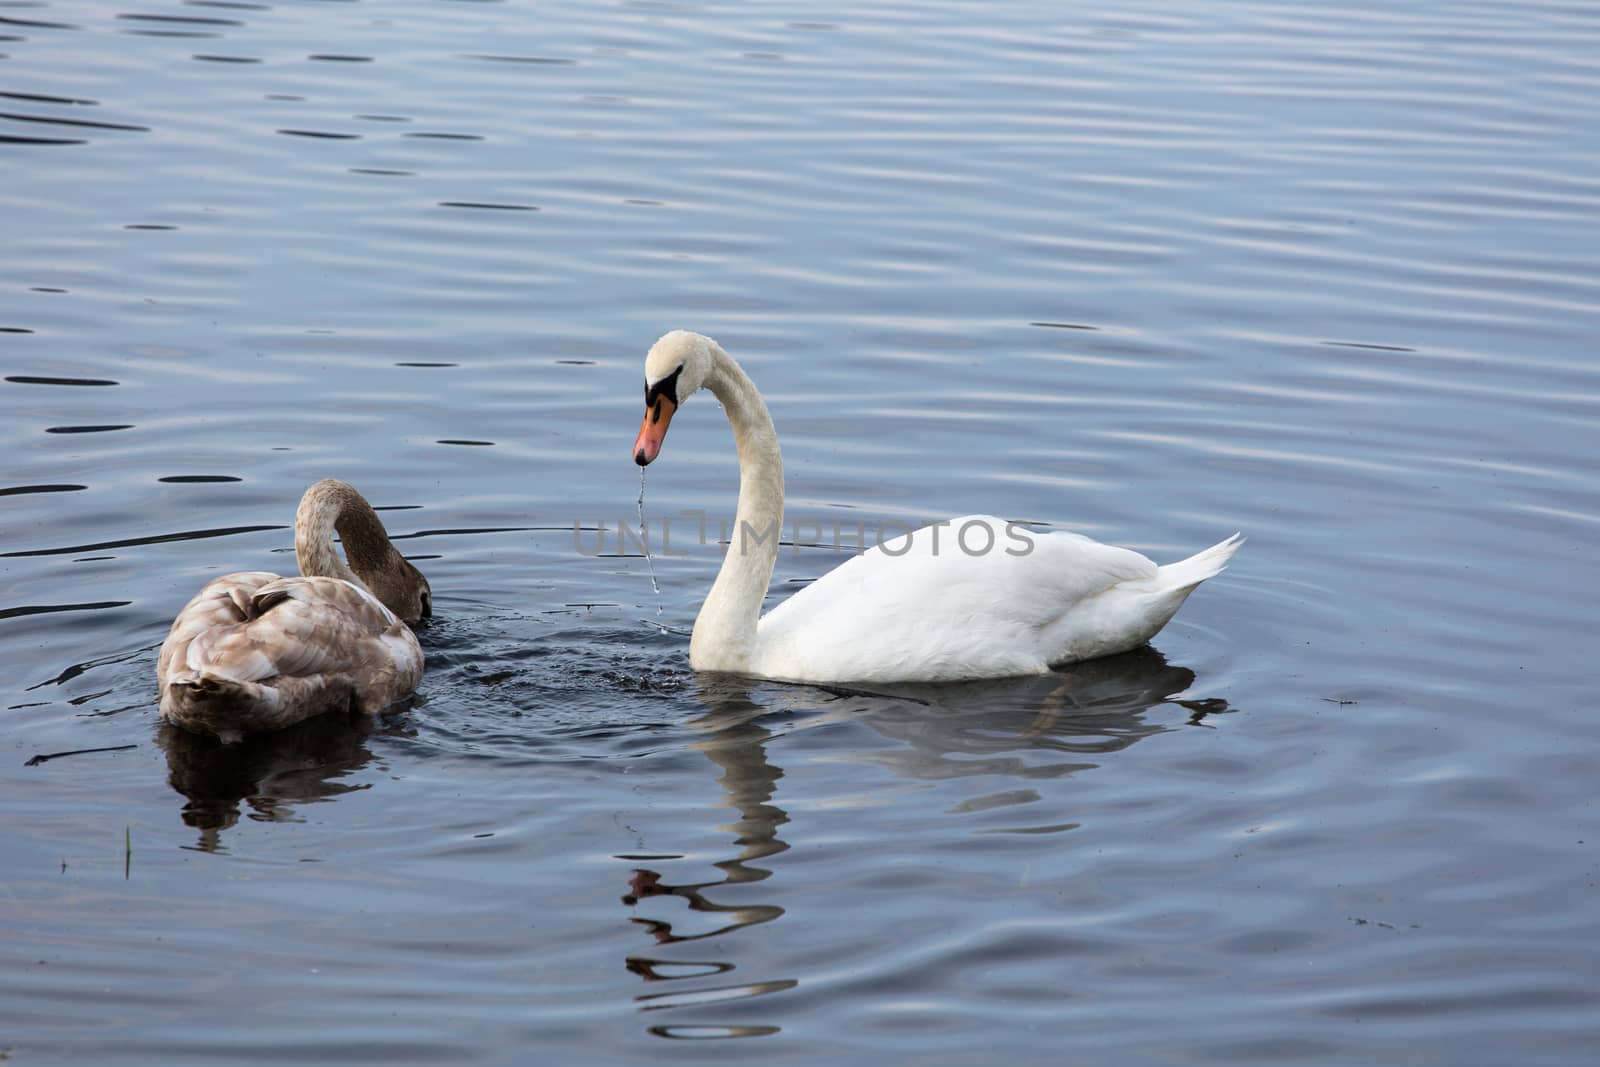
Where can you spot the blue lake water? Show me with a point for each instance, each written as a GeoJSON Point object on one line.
{"type": "Point", "coordinates": [1324, 273]}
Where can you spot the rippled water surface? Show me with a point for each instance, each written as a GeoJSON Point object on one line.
{"type": "Point", "coordinates": [1324, 273]}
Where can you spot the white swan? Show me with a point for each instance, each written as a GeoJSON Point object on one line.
{"type": "Point", "coordinates": [975, 597]}
{"type": "Point", "coordinates": [253, 651]}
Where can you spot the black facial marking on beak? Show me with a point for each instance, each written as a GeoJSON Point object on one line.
{"type": "Point", "coordinates": [667, 386]}
{"type": "Point", "coordinates": [660, 401]}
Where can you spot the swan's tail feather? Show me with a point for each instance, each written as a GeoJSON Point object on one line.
{"type": "Point", "coordinates": [208, 703]}
{"type": "Point", "coordinates": [205, 686]}
{"type": "Point", "coordinates": [1188, 573]}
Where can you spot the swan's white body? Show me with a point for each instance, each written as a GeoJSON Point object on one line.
{"type": "Point", "coordinates": [253, 651]}
{"type": "Point", "coordinates": [972, 598]}
{"type": "Point", "coordinates": [911, 611]}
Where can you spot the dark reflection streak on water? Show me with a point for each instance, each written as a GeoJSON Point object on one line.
{"type": "Point", "coordinates": [6, 138]}
{"type": "Point", "coordinates": [106, 428]}
{"type": "Point", "coordinates": [487, 207]}
{"type": "Point", "coordinates": [27, 379]}
{"type": "Point", "coordinates": [543, 61]}
{"type": "Point", "coordinates": [17, 490]}
{"type": "Point", "coordinates": [46, 609]}
{"type": "Point", "coordinates": [1375, 348]}
{"type": "Point", "coordinates": [186, 535]}
{"type": "Point", "coordinates": [45, 757]}
{"type": "Point", "coordinates": [322, 135]}
{"type": "Point", "coordinates": [85, 123]}
{"type": "Point", "coordinates": [78, 669]}
{"type": "Point", "coordinates": [663, 628]}
{"type": "Point", "coordinates": [194, 19]}
{"type": "Point", "coordinates": [110, 712]}
{"type": "Point", "coordinates": [189, 34]}
{"type": "Point", "coordinates": [6, 20]}
{"type": "Point", "coordinates": [204, 58]}
{"type": "Point", "coordinates": [45, 99]}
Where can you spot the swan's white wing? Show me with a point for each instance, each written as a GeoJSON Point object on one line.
{"type": "Point", "coordinates": [983, 599]}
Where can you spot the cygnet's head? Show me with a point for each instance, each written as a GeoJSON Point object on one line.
{"type": "Point", "coordinates": [676, 367]}
{"type": "Point", "coordinates": [403, 590]}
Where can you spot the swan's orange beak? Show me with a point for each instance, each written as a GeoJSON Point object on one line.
{"type": "Point", "coordinates": [657, 417]}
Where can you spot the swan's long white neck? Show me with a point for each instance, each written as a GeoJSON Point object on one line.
{"type": "Point", "coordinates": [725, 630]}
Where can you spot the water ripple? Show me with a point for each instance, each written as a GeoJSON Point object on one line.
{"type": "Point", "coordinates": [1320, 272]}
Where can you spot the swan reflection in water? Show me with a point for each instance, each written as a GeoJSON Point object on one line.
{"type": "Point", "coordinates": [1004, 727]}
{"type": "Point", "coordinates": [996, 727]}
{"type": "Point", "coordinates": [734, 740]}
{"type": "Point", "coordinates": [269, 774]}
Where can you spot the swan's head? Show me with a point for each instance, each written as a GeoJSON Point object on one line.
{"type": "Point", "coordinates": [677, 366]}
{"type": "Point", "coordinates": [403, 590]}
